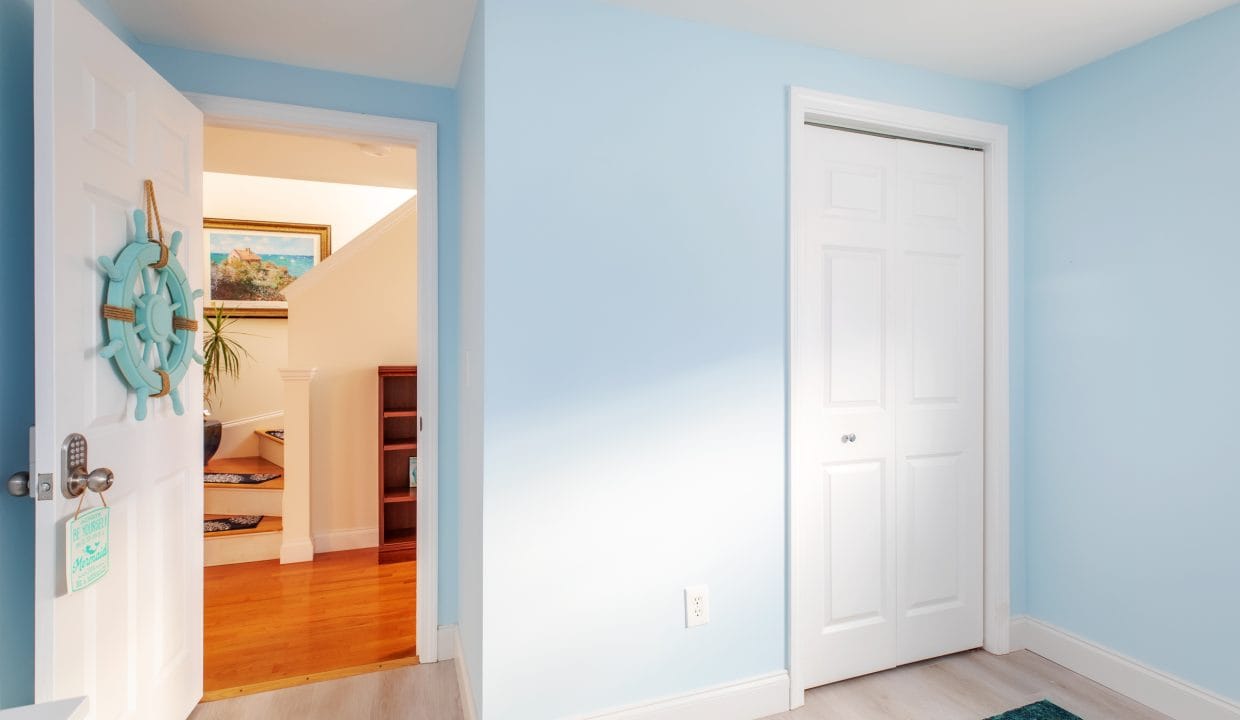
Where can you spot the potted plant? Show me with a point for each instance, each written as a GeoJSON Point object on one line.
{"type": "Point", "coordinates": [222, 358]}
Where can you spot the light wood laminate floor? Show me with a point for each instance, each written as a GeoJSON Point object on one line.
{"type": "Point", "coordinates": [419, 692]}
{"type": "Point", "coordinates": [264, 621]}
{"type": "Point", "coordinates": [966, 686]}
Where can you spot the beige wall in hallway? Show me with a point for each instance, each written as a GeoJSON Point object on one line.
{"type": "Point", "coordinates": [346, 317]}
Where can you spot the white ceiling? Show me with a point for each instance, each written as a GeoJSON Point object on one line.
{"type": "Point", "coordinates": [418, 41]}
{"type": "Point", "coordinates": [301, 157]}
{"type": "Point", "coordinates": [1012, 42]}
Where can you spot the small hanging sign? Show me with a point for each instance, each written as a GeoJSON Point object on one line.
{"type": "Point", "coordinates": [87, 546]}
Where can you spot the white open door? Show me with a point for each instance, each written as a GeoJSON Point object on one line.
{"type": "Point", "coordinates": [104, 123]}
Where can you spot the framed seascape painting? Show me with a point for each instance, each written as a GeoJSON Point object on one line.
{"type": "Point", "coordinates": [253, 261]}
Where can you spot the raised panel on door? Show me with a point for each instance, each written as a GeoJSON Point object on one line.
{"type": "Point", "coordinates": [935, 287]}
{"type": "Point", "coordinates": [859, 574]}
{"type": "Point", "coordinates": [931, 528]}
{"type": "Point", "coordinates": [105, 123]}
{"type": "Point", "coordinates": [939, 399]}
{"type": "Point", "coordinates": [855, 300]}
{"type": "Point", "coordinates": [855, 547]}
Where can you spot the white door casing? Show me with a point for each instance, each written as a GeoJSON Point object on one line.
{"type": "Point", "coordinates": [806, 105]}
{"type": "Point", "coordinates": [888, 336]}
{"type": "Point", "coordinates": [105, 122]}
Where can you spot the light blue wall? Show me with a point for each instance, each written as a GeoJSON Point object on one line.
{"type": "Point", "coordinates": [635, 312]}
{"type": "Point", "coordinates": [255, 80]}
{"type": "Point", "coordinates": [470, 92]}
{"type": "Point", "coordinates": [1133, 341]}
{"type": "Point", "coordinates": [17, 361]}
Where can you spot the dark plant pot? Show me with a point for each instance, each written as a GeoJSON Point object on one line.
{"type": "Point", "coordinates": [212, 430]}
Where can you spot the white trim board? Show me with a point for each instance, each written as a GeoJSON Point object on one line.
{"type": "Point", "coordinates": [351, 539]}
{"type": "Point", "coordinates": [1165, 693]}
{"type": "Point", "coordinates": [296, 551]}
{"type": "Point", "coordinates": [745, 700]}
{"type": "Point", "coordinates": [257, 115]}
{"type": "Point", "coordinates": [915, 124]}
{"type": "Point", "coordinates": [265, 417]}
{"type": "Point", "coordinates": [448, 641]}
{"type": "Point", "coordinates": [450, 649]}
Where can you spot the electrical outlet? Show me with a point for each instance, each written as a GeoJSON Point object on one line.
{"type": "Point", "coordinates": [697, 605]}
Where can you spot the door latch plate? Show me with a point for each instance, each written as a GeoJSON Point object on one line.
{"type": "Point", "coordinates": [43, 490]}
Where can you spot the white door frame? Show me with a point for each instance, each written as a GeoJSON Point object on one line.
{"type": "Point", "coordinates": [422, 135]}
{"type": "Point", "coordinates": [914, 124]}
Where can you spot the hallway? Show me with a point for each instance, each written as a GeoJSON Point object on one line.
{"type": "Point", "coordinates": [269, 625]}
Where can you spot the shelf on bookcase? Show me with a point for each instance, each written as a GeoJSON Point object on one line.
{"type": "Point", "coordinates": [400, 495]}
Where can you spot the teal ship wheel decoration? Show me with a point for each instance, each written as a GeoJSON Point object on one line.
{"type": "Point", "coordinates": [149, 312]}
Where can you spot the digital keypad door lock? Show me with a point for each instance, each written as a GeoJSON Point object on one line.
{"type": "Point", "coordinates": [75, 478]}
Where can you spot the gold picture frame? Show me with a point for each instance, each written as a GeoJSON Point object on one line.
{"type": "Point", "coordinates": [250, 262]}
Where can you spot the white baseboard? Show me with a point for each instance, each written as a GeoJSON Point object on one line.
{"type": "Point", "coordinates": [448, 635]}
{"type": "Point", "coordinates": [352, 539]}
{"type": "Point", "coordinates": [450, 649]}
{"type": "Point", "coordinates": [296, 551]}
{"type": "Point", "coordinates": [744, 700]}
{"type": "Point", "coordinates": [1158, 690]}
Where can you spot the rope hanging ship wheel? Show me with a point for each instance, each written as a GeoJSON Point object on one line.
{"type": "Point", "coordinates": [149, 316]}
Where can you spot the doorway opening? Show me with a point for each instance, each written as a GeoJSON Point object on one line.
{"type": "Point", "coordinates": [314, 530]}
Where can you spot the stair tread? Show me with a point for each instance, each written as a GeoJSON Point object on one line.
{"type": "Point", "coordinates": [267, 434]}
{"type": "Point", "coordinates": [242, 465]}
{"type": "Point", "coordinates": [270, 485]}
{"type": "Point", "coordinates": [269, 524]}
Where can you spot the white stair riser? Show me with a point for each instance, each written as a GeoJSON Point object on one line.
{"type": "Point", "coordinates": [230, 549]}
{"type": "Point", "coordinates": [271, 450]}
{"type": "Point", "coordinates": [237, 501]}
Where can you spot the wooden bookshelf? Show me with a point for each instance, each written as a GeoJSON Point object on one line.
{"type": "Point", "coordinates": [398, 442]}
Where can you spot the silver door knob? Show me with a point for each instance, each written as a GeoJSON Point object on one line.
{"type": "Point", "coordinates": [97, 480]}
{"type": "Point", "coordinates": [848, 438]}
{"type": "Point", "coordinates": [19, 484]}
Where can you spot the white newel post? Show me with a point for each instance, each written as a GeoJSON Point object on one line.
{"type": "Point", "coordinates": [297, 545]}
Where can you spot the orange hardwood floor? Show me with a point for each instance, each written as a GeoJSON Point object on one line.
{"type": "Point", "coordinates": [267, 623]}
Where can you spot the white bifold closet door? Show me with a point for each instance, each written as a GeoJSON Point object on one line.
{"type": "Point", "coordinates": [889, 338]}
